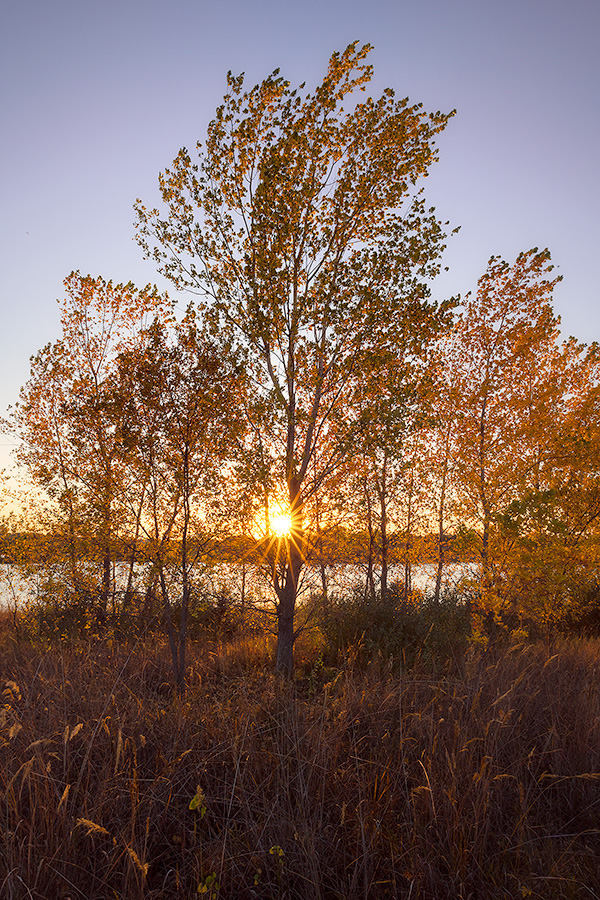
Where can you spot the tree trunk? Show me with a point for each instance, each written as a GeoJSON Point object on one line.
{"type": "Point", "coordinates": [132, 558]}
{"type": "Point", "coordinates": [383, 523]}
{"type": "Point", "coordinates": [486, 575]}
{"type": "Point", "coordinates": [408, 542]}
{"type": "Point", "coordinates": [440, 567]}
{"type": "Point", "coordinates": [243, 594]}
{"type": "Point", "coordinates": [106, 550]}
{"type": "Point", "coordinates": [185, 592]}
{"type": "Point", "coordinates": [286, 608]}
{"type": "Point", "coordinates": [174, 637]}
{"type": "Point", "coordinates": [321, 556]}
{"type": "Point", "coordinates": [486, 580]}
{"type": "Point", "coordinates": [146, 611]}
{"type": "Point", "coordinates": [106, 580]}
{"type": "Point", "coordinates": [370, 579]}
{"type": "Point", "coordinates": [288, 591]}
{"type": "Point", "coordinates": [284, 664]}
{"type": "Point", "coordinates": [441, 518]}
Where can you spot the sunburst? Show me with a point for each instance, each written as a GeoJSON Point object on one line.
{"type": "Point", "coordinates": [280, 522]}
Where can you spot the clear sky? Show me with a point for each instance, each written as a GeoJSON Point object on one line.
{"type": "Point", "coordinates": [97, 96]}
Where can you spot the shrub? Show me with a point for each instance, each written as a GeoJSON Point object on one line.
{"type": "Point", "coordinates": [395, 630]}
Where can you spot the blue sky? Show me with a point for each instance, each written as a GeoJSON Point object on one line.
{"type": "Point", "coordinates": [97, 96]}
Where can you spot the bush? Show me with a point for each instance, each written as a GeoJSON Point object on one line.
{"type": "Point", "coordinates": [583, 614]}
{"type": "Point", "coordinates": [390, 628]}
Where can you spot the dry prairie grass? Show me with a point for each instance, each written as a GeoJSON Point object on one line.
{"type": "Point", "coordinates": [483, 782]}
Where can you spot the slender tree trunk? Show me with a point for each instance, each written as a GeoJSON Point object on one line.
{"type": "Point", "coordinates": [106, 580]}
{"type": "Point", "coordinates": [486, 578]}
{"type": "Point", "coordinates": [381, 485]}
{"type": "Point", "coordinates": [441, 514]}
{"type": "Point", "coordinates": [370, 579]}
{"type": "Point", "coordinates": [324, 587]}
{"type": "Point", "coordinates": [106, 550]}
{"type": "Point", "coordinates": [147, 609]}
{"type": "Point", "coordinates": [243, 593]}
{"type": "Point", "coordinates": [322, 568]}
{"type": "Point", "coordinates": [185, 600]}
{"type": "Point", "coordinates": [75, 579]}
{"type": "Point", "coordinates": [72, 535]}
{"type": "Point", "coordinates": [440, 567]}
{"type": "Point", "coordinates": [408, 540]}
{"type": "Point", "coordinates": [384, 559]}
{"type": "Point", "coordinates": [486, 575]}
{"type": "Point", "coordinates": [131, 568]}
{"type": "Point", "coordinates": [185, 593]}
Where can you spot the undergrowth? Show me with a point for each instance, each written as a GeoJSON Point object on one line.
{"type": "Point", "coordinates": [355, 782]}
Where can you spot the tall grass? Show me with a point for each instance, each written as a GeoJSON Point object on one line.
{"type": "Point", "coordinates": [483, 782]}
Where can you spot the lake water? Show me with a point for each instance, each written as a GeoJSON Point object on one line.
{"type": "Point", "coordinates": [15, 588]}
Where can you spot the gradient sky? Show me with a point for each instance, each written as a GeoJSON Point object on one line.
{"type": "Point", "coordinates": [97, 96]}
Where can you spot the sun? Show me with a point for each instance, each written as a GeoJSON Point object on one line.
{"type": "Point", "coordinates": [280, 522]}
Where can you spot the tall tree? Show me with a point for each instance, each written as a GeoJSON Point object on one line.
{"type": "Point", "coordinates": [301, 226]}
{"type": "Point", "coordinates": [552, 524]}
{"type": "Point", "coordinates": [509, 333]}
{"type": "Point", "coordinates": [70, 422]}
{"type": "Point", "coordinates": [180, 396]}
{"type": "Point", "coordinates": [391, 400]}
{"type": "Point", "coordinates": [440, 455]}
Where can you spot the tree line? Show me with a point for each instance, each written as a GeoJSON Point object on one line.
{"type": "Point", "coordinates": [314, 373]}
